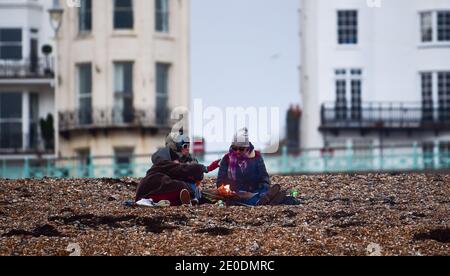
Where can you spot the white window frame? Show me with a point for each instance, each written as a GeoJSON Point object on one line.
{"type": "Point", "coordinates": [434, 91]}
{"type": "Point", "coordinates": [434, 39]}
{"type": "Point", "coordinates": [348, 77]}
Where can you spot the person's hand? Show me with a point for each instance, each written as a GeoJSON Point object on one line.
{"type": "Point", "coordinates": [214, 165]}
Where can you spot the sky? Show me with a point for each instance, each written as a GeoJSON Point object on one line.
{"type": "Point", "coordinates": [245, 53]}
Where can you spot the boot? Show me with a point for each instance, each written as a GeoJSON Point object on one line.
{"type": "Point", "coordinates": [269, 196]}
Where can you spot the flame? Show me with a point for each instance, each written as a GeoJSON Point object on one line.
{"type": "Point", "coordinates": [225, 190]}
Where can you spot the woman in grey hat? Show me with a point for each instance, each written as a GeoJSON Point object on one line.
{"type": "Point", "coordinates": [243, 169]}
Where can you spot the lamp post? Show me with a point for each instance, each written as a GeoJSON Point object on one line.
{"type": "Point", "coordinates": [56, 16]}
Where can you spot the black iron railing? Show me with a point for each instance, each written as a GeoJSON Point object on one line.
{"type": "Point", "coordinates": [99, 118]}
{"type": "Point", "coordinates": [26, 68]}
{"type": "Point", "coordinates": [384, 115]}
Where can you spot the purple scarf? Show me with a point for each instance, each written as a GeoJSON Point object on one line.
{"type": "Point", "coordinates": [236, 161]}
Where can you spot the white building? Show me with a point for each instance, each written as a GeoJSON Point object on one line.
{"type": "Point", "coordinates": [26, 79]}
{"type": "Point", "coordinates": [375, 75]}
{"type": "Point", "coordinates": [123, 66]}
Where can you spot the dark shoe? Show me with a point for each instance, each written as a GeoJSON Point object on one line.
{"type": "Point", "coordinates": [278, 199]}
{"type": "Point", "coordinates": [270, 195]}
{"type": "Point", "coordinates": [185, 197]}
{"type": "Point", "coordinates": [290, 200]}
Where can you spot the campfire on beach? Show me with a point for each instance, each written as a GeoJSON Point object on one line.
{"type": "Point", "coordinates": [225, 191]}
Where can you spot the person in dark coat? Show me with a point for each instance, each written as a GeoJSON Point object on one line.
{"type": "Point", "coordinates": [243, 169]}
{"type": "Point", "coordinates": [174, 175]}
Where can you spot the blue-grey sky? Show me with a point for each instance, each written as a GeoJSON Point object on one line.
{"type": "Point", "coordinates": [245, 53]}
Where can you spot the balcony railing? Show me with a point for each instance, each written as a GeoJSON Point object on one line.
{"type": "Point", "coordinates": [26, 68]}
{"type": "Point", "coordinates": [104, 118]}
{"type": "Point", "coordinates": [384, 116]}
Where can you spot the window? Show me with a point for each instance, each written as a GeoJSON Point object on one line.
{"type": "Point", "coordinates": [34, 56]}
{"type": "Point", "coordinates": [123, 158]}
{"type": "Point", "coordinates": [443, 26]}
{"type": "Point", "coordinates": [123, 92]}
{"type": "Point", "coordinates": [85, 16]}
{"type": "Point", "coordinates": [355, 87]}
{"type": "Point", "coordinates": [347, 27]}
{"type": "Point", "coordinates": [427, 96]}
{"type": "Point", "coordinates": [162, 15]}
{"type": "Point", "coordinates": [11, 44]}
{"type": "Point", "coordinates": [427, 26]}
{"type": "Point", "coordinates": [85, 93]}
{"type": "Point", "coordinates": [162, 92]}
{"type": "Point", "coordinates": [435, 26]}
{"type": "Point", "coordinates": [123, 14]}
{"type": "Point", "coordinates": [341, 100]}
{"type": "Point", "coordinates": [435, 96]}
{"type": "Point", "coordinates": [444, 96]}
{"type": "Point", "coordinates": [11, 120]}
{"type": "Point", "coordinates": [34, 121]}
{"type": "Point", "coordinates": [348, 86]}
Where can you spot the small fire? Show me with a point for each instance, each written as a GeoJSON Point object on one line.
{"type": "Point", "coordinates": [225, 190]}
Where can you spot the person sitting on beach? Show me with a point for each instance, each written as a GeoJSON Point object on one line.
{"type": "Point", "coordinates": [243, 169]}
{"type": "Point", "coordinates": [175, 174]}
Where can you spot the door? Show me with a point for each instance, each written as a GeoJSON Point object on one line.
{"type": "Point", "coordinates": [34, 59]}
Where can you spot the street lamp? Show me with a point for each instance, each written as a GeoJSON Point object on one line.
{"type": "Point", "coordinates": [56, 16]}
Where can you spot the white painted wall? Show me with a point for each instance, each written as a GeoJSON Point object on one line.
{"type": "Point", "coordinates": [389, 52]}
